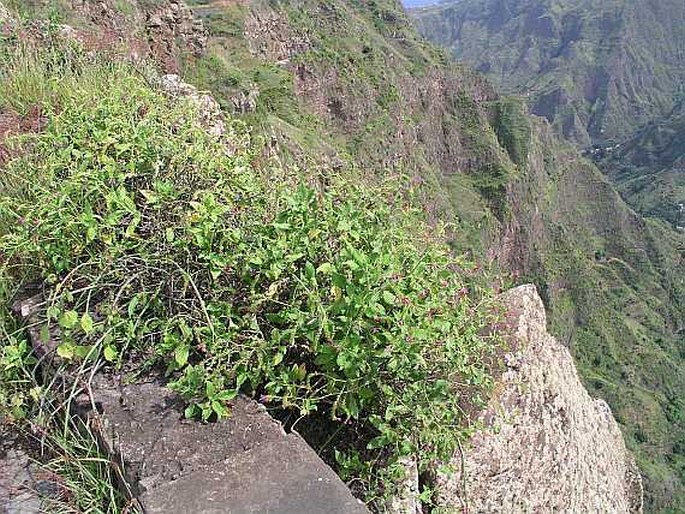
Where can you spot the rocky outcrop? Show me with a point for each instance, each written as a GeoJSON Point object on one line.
{"type": "Point", "coordinates": [270, 36]}
{"type": "Point", "coordinates": [172, 25]}
{"type": "Point", "coordinates": [209, 111]}
{"type": "Point", "coordinates": [162, 30]}
{"type": "Point", "coordinates": [546, 445]}
{"type": "Point", "coordinates": [25, 488]}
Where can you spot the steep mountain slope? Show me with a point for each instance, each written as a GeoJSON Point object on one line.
{"type": "Point", "coordinates": [648, 168]}
{"type": "Point", "coordinates": [596, 69]}
{"type": "Point", "coordinates": [349, 84]}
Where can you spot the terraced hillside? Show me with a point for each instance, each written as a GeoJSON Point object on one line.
{"type": "Point", "coordinates": [649, 167]}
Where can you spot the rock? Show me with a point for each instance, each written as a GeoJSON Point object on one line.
{"type": "Point", "coordinates": [243, 464]}
{"type": "Point", "coordinates": [24, 487]}
{"type": "Point", "coordinates": [209, 110]}
{"type": "Point", "coordinates": [245, 101]}
{"type": "Point", "coordinates": [168, 30]}
{"type": "Point", "coordinates": [173, 22]}
{"type": "Point", "coordinates": [17, 487]}
{"type": "Point", "coordinates": [406, 500]}
{"type": "Point", "coordinates": [270, 36]}
{"type": "Point", "coordinates": [547, 446]}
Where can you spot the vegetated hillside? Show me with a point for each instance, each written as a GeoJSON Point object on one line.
{"type": "Point", "coordinates": [365, 89]}
{"type": "Point", "coordinates": [596, 69]}
{"type": "Point", "coordinates": [649, 167]}
{"type": "Point", "coordinates": [349, 85]}
{"type": "Point", "coordinates": [162, 238]}
{"type": "Point", "coordinates": [352, 82]}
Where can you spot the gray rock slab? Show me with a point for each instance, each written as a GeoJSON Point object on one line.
{"type": "Point", "coordinates": [243, 464]}
{"type": "Point", "coordinates": [282, 477]}
{"type": "Point", "coordinates": [25, 488]}
{"type": "Point", "coordinates": [18, 493]}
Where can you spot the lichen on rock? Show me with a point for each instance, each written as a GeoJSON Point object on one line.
{"type": "Point", "coordinates": [547, 446]}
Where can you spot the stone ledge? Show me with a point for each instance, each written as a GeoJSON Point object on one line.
{"type": "Point", "coordinates": [243, 464]}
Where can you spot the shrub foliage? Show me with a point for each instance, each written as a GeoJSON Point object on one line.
{"type": "Point", "coordinates": [162, 246]}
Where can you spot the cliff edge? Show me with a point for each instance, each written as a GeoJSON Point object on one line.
{"type": "Point", "coordinates": [547, 446]}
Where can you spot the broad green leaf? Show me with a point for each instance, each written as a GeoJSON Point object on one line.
{"type": "Point", "coordinates": [227, 396]}
{"type": "Point", "coordinates": [389, 298]}
{"type": "Point", "coordinates": [181, 355]}
{"type": "Point", "coordinates": [219, 408]}
{"type": "Point", "coordinates": [66, 351]}
{"type": "Point", "coordinates": [68, 319]}
{"type": "Point", "coordinates": [309, 271]}
{"type": "Point", "coordinates": [82, 351]}
{"type": "Point", "coordinates": [190, 411]}
{"type": "Point", "coordinates": [110, 353]}
{"type": "Point", "coordinates": [325, 268]}
{"type": "Point", "coordinates": [277, 359]}
{"type": "Point", "coordinates": [87, 323]}
{"type": "Point", "coordinates": [295, 257]}
{"type": "Point", "coordinates": [53, 312]}
{"type": "Point", "coordinates": [206, 408]}
{"type": "Point", "coordinates": [299, 372]}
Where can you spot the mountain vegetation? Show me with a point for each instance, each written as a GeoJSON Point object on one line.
{"type": "Point", "coordinates": [648, 168]}
{"type": "Point", "coordinates": [341, 257]}
{"type": "Point", "coordinates": [597, 70]}
{"type": "Point", "coordinates": [606, 75]}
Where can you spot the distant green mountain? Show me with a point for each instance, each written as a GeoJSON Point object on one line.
{"type": "Point", "coordinates": [649, 167]}
{"type": "Point", "coordinates": [608, 75]}
{"type": "Point", "coordinates": [596, 69]}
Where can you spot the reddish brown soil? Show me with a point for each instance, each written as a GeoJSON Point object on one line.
{"type": "Point", "coordinates": [12, 124]}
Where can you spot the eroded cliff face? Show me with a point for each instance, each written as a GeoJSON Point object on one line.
{"type": "Point", "coordinates": [547, 446]}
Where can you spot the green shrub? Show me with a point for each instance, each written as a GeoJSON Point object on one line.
{"type": "Point", "coordinates": [161, 245]}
